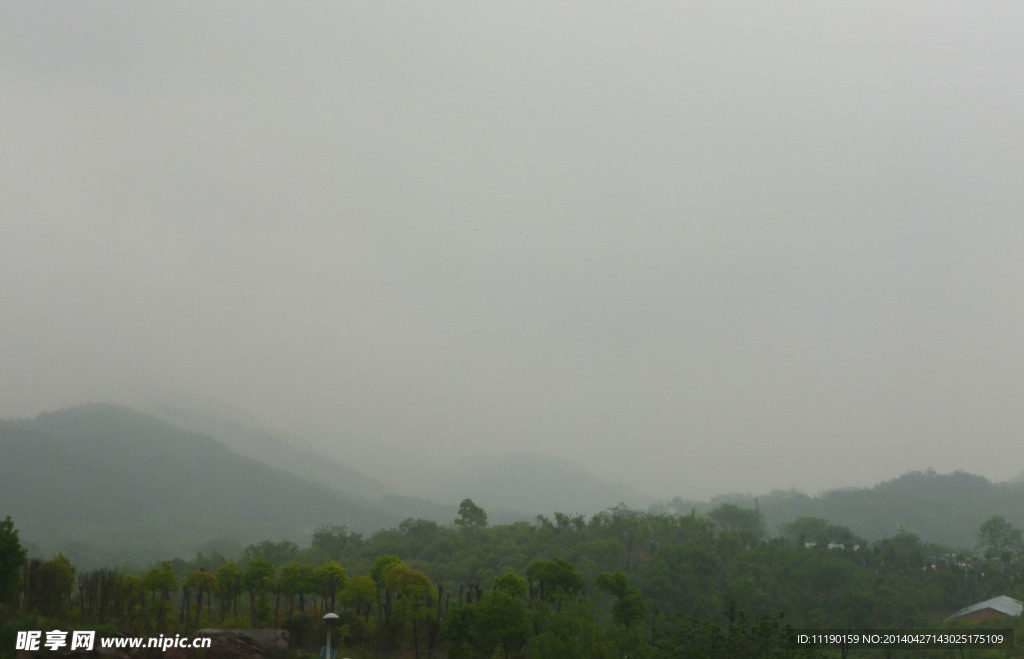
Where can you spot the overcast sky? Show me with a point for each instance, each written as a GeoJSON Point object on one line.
{"type": "Point", "coordinates": [697, 247]}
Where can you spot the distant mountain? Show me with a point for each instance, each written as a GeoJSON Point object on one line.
{"type": "Point", "coordinates": [943, 508]}
{"type": "Point", "coordinates": [273, 448]}
{"type": "Point", "coordinates": [532, 484]}
{"type": "Point", "coordinates": [112, 483]}
{"type": "Point", "coordinates": [283, 451]}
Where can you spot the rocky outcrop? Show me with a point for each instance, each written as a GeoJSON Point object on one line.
{"type": "Point", "coordinates": [224, 644]}
{"type": "Point", "coordinates": [229, 644]}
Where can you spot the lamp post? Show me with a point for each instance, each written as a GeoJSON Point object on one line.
{"type": "Point", "coordinates": [330, 619]}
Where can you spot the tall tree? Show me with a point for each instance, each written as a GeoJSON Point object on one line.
{"type": "Point", "coordinates": [258, 579]}
{"type": "Point", "coordinates": [471, 517]}
{"type": "Point", "coordinates": [229, 586]}
{"type": "Point", "coordinates": [330, 540]}
{"type": "Point", "coordinates": [359, 595]}
{"type": "Point", "coordinates": [745, 524]}
{"type": "Point", "coordinates": [12, 557]}
{"type": "Point", "coordinates": [331, 578]}
{"type": "Point", "coordinates": [203, 583]}
{"type": "Point", "coordinates": [298, 579]}
{"type": "Point", "coordinates": [48, 586]}
{"type": "Point", "coordinates": [999, 539]}
{"type": "Point", "coordinates": [630, 608]}
{"type": "Point", "coordinates": [414, 598]}
{"type": "Point", "coordinates": [554, 579]}
{"type": "Point", "coordinates": [163, 579]}
{"type": "Point", "coordinates": [502, 620]}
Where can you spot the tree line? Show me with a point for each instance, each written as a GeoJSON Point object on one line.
{"type": "Point", "coordinates": [622, 582]}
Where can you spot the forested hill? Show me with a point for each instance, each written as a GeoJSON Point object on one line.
{"type": "Point", "coordinates": [944, 508]}
{"type": "Point", "coordinates": [108, 483]}
{"type": "Point", "coordinates": [285, 452]}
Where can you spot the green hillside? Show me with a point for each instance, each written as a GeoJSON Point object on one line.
{"type": "Point", "coordinates": [943, 508]}
{"type": "Point", "coordinates": [285, 452]}
{"type": "Point", "coordinates": [108, 483]}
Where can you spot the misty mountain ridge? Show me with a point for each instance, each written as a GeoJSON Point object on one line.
{"type": "Point", "coordinates": [242, 433]}
{"type": "Point", "coordinates": [510, 486]}
{"type": "Point", "coordinates": [104, 482]}
{"type": "Point", "coordinates": [110, 481]}
{"type": "Point", "coordinates": [942, 508]}
{"type": "Point", "coordinates": [283, 451]}
{"type": "Point", "coordinates": [107, 483]}
{"type": "Point", "coordinates": [531, 483]}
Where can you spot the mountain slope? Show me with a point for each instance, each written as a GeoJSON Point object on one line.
{"type": "Point", "coordinates": [281, 451]}
{"type": "Point", "coordinates": [943, 508]}
{"type": "Point", "coordinates": [103, 478]}
{"type": "Point", "coordinates": [531, 484]}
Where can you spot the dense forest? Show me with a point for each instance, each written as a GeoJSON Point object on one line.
{"type": "Point", "coordinates": [619, 583]}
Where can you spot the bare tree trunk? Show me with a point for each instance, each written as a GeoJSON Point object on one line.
{"type": "Point", "coordinates": [186, 599]}
{"type": "Point", "coordinates": [199, 605]}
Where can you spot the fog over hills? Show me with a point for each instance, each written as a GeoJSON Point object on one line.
{"type": "Point", "coordinates": [108, 482]}
{"type": "Point", "coordinates": [285, 452]}
{"type": "Point", "coordinates": [532, 483]}
{"type": "Point", "coordinates": [942, 508]}
{"type": "Point", "coordinates": [510, 485]}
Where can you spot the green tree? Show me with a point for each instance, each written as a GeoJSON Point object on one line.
{"type": "Point", "coordinates": [160, 578]}
{"type": "Point", "coordinates": [380, 567]}
{"type": "Point", "coordinates": [569, 629]}
{"type": "Point", "coordinates": [131, 599]}
{"type": "Point", "coordinates": [49, 587]}
{"type": "Point", "coordinates": [258, 579]}
{"type": "Point", "coordinates": [414, 598]}
{"type": "Point", "coordinates": [297, 580]}
{"type": "Point", "coordinates": [359, 595]}
{"type": "Point", "coordinates": [511, 583]}
{"type": "Point", "coordinates": [903, 551]}
{"type": "Point", "coordinates": [330, 540]}
{"type": "Point", "coordinates": [502, 620]}
{"type": "Point", "coordinates": [461, 628]}
{"type": "Point", "coordinates": [745, 524]}
{"type": "Point", "coordinates": [630, 608]}
{"type": "Point", "coordinates": [12, 558]}
{"type": "Point", "coordinates": [331, 577]}
{"type": "Point", "coordinates": [997, 538]}
{"type": "Point", "coordinates": [229, 587]}
{"type": "Point", "coordinates": [554, 579]}
{"type": "Point", "coordinates": [203, 583]}
{"type": "Point", "coordinates": [764, 638]}
{"type": "Point", "coordinates": [471, 517]}
{"type": "Point", "coordinates": [684, 578]}
{"type": "Point", "coordinates": [277, 553]}
{"type": "Point", "coordinates": [379, 572]}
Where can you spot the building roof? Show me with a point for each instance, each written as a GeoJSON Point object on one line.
{"type": "Point", "coordinates": [1002, 604]}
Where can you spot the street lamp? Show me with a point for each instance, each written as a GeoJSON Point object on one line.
{"type": "Point", "coordinates": [330, 619]}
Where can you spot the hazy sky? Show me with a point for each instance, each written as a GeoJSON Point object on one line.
{"type": "Point", "coordinates": [697, 247]}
